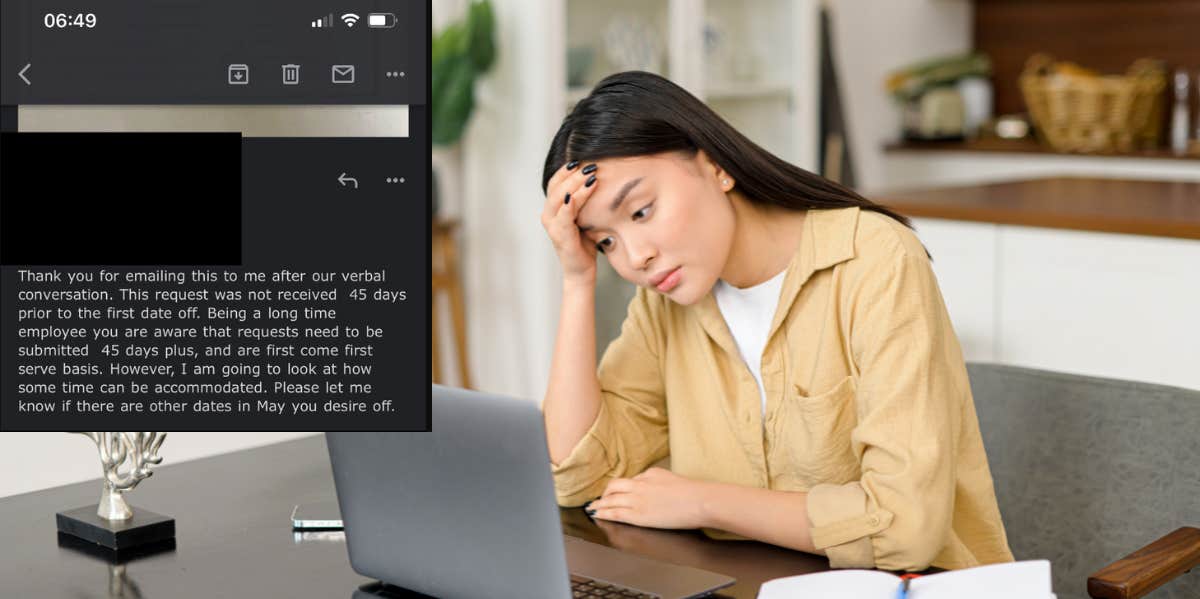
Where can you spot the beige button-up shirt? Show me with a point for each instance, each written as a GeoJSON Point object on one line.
{"type": "Point", "coordinates": [869, 409]}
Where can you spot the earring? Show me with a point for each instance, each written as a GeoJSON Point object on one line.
{"type": "Point", "coordinates": [725, 181]}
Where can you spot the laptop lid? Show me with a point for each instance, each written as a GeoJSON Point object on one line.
{"type": "Point", "coordinates": [467, 510]}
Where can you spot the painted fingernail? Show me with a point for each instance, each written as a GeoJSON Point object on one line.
{"type": "Point", "coordinates": [567, 199]}
{"type": "Point", "coordinates": [591, 168]}
{"type": "Point", "coordinates": [572, 164]}
{"type": "Point", "coordinates": [590, 180]}
{"type": "Point", "coordinates": [591, 512]}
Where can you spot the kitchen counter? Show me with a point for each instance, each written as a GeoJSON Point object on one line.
{"type": "Point", "coordinates": [1155, 208]}
{"type": "Point", "coordinates": [1085, 275]}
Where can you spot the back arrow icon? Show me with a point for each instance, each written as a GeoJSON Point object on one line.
{"type": "Point", "coordinates": [21, 74]}
{"type": "Point", "coordinates": [343, 179]}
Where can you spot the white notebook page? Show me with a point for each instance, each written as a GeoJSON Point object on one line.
{"type": "Point", "coordinates": [1026, 579]}
{"type": "Point", "coordinates": [835, 584]}
{"type": "Point", "coordinates": [1001, 581]}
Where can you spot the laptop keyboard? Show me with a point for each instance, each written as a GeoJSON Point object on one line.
{"type": "Point", "coordinates": [583, 587]}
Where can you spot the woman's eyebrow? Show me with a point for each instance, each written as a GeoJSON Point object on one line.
{"type": "Point", "coordinates": [616, 203]}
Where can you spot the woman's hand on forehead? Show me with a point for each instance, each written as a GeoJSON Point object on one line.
{"type": "Point", "coordinates": [566, 193]}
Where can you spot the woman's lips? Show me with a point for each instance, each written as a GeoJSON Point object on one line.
{"type": "Point", "coordinates": [671, 281]}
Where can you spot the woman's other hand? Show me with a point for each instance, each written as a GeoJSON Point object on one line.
{"type": "Point", "coordinates": [657, 497]}
{"type": "Point", "coordinates": [566, 193]}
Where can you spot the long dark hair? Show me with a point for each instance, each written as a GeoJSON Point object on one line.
{"type": "Point", "coordinates": [636, 113]}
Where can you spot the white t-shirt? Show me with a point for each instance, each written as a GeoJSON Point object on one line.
{"type": "Point", "coordinates": [748, 313]}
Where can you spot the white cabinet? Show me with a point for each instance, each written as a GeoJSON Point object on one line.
{"type": "Point", "coordinates": [964, 256]}
{"type": "Point", "coordinates": [761, 72]}
{"type": "Point", "coordinates": [755, 62]}
{"type": "Point", "coordinates": [1101, 304]}
{"type": "Point", "coordinates": [1122, 306]}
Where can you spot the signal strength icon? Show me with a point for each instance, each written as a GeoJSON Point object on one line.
{"type": "Point", "coordinates": [350, 19]}
{"type": "Point", "coordinates": [325, 21]}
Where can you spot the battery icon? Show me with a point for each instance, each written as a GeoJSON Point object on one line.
{"type": "Point", "coordinates": [381, 20]}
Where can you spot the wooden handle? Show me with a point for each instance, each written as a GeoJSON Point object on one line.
{"type": "Point", "coordinates": [1147, 568]}
{"type": "Point", "coordinates": [1038, 63]}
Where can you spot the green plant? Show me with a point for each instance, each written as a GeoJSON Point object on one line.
{"type": "Point", "coordinates": [460, 54]}
{"type": "Point", "coordinates": [910, 82]}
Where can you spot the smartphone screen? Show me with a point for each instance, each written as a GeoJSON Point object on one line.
{"type": "Point", "coordinates": [322, 515]}
{"type": "Point", "coordinates": [214, 217]}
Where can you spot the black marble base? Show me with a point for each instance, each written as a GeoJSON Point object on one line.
{"type": "Point", "coordinates": [380, 590]}
{"type": "Point", "coordinates": [143, 528]}
{"type": "Point", "coordinates": [114, 556]}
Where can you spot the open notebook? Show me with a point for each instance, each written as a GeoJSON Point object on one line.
{"type": "Point", "coordinates": [1027, 579]}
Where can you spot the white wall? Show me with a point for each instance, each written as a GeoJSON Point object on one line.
{"type": "Point", "coordinates": [872, 38]}
{"type": "Point", "coordinates": [33, 461]}
{"type": "Point", "coordinates": [511, 274]}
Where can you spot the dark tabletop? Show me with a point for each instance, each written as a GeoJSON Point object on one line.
{"type": "Point", "coordinates": [234, 536]}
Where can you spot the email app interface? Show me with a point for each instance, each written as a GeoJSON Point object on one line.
{"type": "Point", "coordinates": [214, 215]}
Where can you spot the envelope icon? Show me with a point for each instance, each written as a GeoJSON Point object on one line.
{"type": "Point", "coordinates": [343, 73]}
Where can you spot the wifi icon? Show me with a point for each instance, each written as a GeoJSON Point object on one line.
{"type": "Point", "coordinates": [350, 19]}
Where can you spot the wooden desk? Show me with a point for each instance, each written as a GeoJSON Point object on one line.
{"type": "Point", "coordinates": [234, 539]}
{"type": "Point", "coordinates": [1160, 208]}
{"type": "Point", "coordinates": [751, 563]}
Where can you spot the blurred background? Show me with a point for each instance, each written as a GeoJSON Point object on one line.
{"type": "Point", "coordinates": [1046, 149]}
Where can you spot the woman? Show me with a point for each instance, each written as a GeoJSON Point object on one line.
{"type": "Point", "coordinates": [787, 346]}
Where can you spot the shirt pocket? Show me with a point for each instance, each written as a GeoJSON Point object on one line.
{"type": "Point", "coordinates": [815, 432]}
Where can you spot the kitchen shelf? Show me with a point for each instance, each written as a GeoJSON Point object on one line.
{"type": "Point", "coordinates": [1130, 206]}
{"type": "Point", "coordinates": [750, 89]}
{"type": "Point", "coordinates": [1028, 146]}
{"type": "Point", "coordinates": [575, 94]}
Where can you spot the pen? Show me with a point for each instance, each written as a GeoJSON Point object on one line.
{"type": "Point", "coordinates": [902, 592]}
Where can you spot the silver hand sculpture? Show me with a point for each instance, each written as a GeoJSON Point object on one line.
{"type": "Point", "coordinates": [141, 449]}
{"type": "Point", "coordinates": [120, 585]}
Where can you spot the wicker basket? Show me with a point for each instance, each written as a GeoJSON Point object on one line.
{"type": "Point", "coordinates": [1078, 110]}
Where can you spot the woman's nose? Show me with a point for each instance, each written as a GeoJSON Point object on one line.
{"type": "Point", "coordinates": [640, 254]}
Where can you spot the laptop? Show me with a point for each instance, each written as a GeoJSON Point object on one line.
{"type": "Point", "coordinates": [468, 510]}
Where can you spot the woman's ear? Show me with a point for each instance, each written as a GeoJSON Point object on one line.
{"type": "Point", "coordinates": [710, 169]}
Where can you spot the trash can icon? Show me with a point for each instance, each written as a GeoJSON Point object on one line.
{"type": "Point", "coordinates": [291, 74]}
